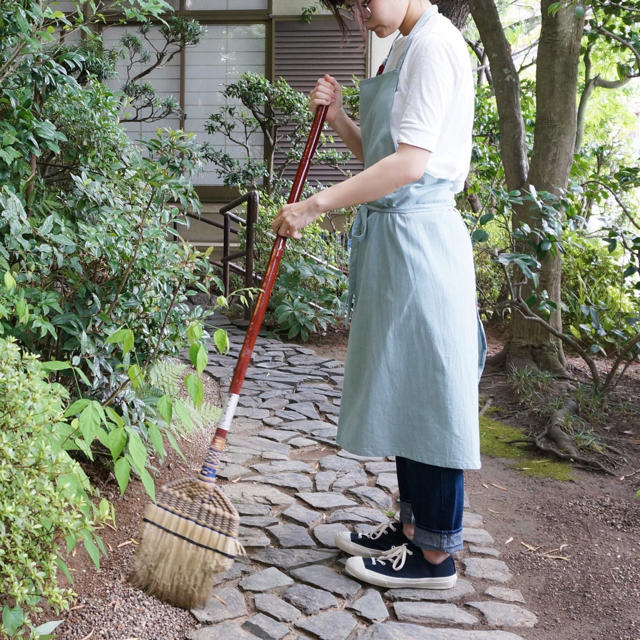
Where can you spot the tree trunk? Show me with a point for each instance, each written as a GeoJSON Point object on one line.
{"type": "Point", "coordinates": [551, 160]}
{"type": "Point", "coordinates": [456, 10]}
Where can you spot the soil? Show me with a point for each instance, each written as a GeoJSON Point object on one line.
{"type": "Point", "coordinates": [573, 547]}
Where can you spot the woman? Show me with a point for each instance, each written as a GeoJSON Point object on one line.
{"type": "Point", "coordinates": [416, 345]}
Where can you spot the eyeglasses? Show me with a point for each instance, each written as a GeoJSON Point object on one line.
{"type": "Point", "coordinates": [349, 11]}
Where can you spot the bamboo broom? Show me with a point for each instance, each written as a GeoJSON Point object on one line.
{"type": "Point", "coordinates": [191, 532]}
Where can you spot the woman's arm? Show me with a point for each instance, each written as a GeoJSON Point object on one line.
{"type": "Point", "coordinates": [406, 165]}
{"type": "Point", "coordinates": [329, 92]}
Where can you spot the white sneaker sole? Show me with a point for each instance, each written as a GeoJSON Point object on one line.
{"type": "Point", "coordinates": [344, 543]}
{"type": "Point", "coordinates": [355, 567]}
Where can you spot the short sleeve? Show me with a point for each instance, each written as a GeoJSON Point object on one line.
{"type": "Point", "coordinates": [431, 75]}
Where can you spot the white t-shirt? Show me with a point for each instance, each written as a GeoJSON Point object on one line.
{"type": "Point", "coordinates": [434, 102]}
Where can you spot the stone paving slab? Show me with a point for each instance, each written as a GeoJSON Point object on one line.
{"type": "Point", "coordinates": [295, 489]}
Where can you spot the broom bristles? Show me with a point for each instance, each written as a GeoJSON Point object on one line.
{"type": "Point", "coordinates": [189, 535]}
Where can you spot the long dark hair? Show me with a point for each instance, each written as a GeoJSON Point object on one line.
{"type": "Point", "coordinates": [335, 5]}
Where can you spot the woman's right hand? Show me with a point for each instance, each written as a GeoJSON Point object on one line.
{"type": "Point", "coordinates": [327, 92]}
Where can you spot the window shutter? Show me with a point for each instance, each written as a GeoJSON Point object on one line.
{"type": "Point", "coordinates": [306, 51]}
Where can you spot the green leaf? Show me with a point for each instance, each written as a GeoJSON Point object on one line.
{"type": "Point", "coordinates": [116, 441]}
{"type": "Point", "coordinates": [195, 389]}
{"type": "Point", "coordinates": [92, 550]}
{"type": "Point", "coordinates": [10, 283]}
{"type": "Point", "coordinates": [137, 451]}
{"type": "Point", "coordinates": [156, 440]}
{"type": "Point", "coordinates": [147, 482]}
{"type": "Point", "coordinates": [183, 413]}
{"type": "Point", "coordinates": [89, 422]}
{"type": "Point", "coordinates": [201, 359]}
{"type": "Point", "coordinates": [194, 332]}
{"type": "Point", "coordinates": [221, 340]}
{"type": "Point", "coordinates": [174, 444]}
{"type": "Point", "coordinates": [165, 408]}
{"type": "Point", "coordinates": [12, 619]}
{"type": "Point", "coordinates": [124, 337]}
{"type": "Point", "coordinates": [479, 235]}
{"type": "Point", "coordinates": [63, 567]}
{"type": "Point", "coordinates": [122, 471]}
{"type": "Point", "coordinates": [55, 365]}
{"type": "Point", "coordinates": [47, 627]}
{"type": "Point", "coordinates": [135, 375]}
{"type": "Point", "coordinates": [75, 408]}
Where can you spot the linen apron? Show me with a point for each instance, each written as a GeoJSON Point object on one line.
{"type": "Point", "coordinates": [416, 344]}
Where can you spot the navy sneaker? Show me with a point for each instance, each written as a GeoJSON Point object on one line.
{"type": "Point", "coordinates": [372, 544]}
{"type": "Point", "coordinates": [403, 567]}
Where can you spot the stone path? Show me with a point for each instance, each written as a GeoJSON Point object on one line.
{"type": "Point", "coordinates": [294, 489]}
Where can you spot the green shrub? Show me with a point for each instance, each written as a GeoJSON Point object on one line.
{"type": "Point", "coordinates": [45, 497]}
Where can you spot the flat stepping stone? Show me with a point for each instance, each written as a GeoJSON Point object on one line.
{"type": "Point", "coordinates": [405, 631]}
{"type": "Point", "coordinates": [307, 426]}
{"type": "Point", "coordinates": [326, 533]}
{"type": "Point", "coordinates": [292, 535]}
{"type": "Point", "coordinates": [289, 558]}
{"type": "Point", "coordinates": [326, 500]}
{"type": "Point", "coordinates": [286, 465]}
{"type": "Point", "coordinates": [487, 551]}
{"type": "Point", "coordinates": [331, 625]}
{"type": "Point", "coordinates": [500, 614]}
{"type": "Point", "coordinates": [275, 402]}
{"type": "Point", "coordinates": [463, 588]}
{"type": "Point", "coordinates": [266, 579]}
{"type": "Point", "coordinates": [487, 569]}
{"type": "Point", "coordinates": [477, 536]}
{"type": "Point", "coordinates": [289, 416]}
{"type": "Point", "coordinates": [279, 435]}
{"type": "Point", "coordinates": [273, 455]}
{"type": "Point", "coordinates": [252, 412]}
{"type": "Point", "coordinates": [373, 496]}
{"type": "Point", "coordinates": [247, 401]}
{"type": "Point", "coordinates": [232, 471]}
{"type": "Point", "coordinates": [276, 607]}
{"type": "Point", "coordinates": [426, 612]}
{"type": "Point", "coordinates": [265, 627]}
{"type": "Point", "coordinates": [237, 569]}
{"type": "Point", "coordinates": [472, 520]}
{"type": "Point", "coordinates": [229, 603]}
{"type": "Point", "coordinates": [296, 481]}
{"type": "Point", "coordinates": [358, 514]}
{"type": "Point", "coordinates": [302, 515]}
{"type": "Point", "coordinates": [309, 599]}
{"type": "Point", "coordinates": [250, 537]}
{"type": "Point", "coordinates": [387, 481]}
{"type": "Point", "coordinates": [337, 463]}
{"type": "Point", "coordinates": [307, 409]}
{"type": "Point", "coordinates": [380, 466]}
{"type": "Point", "coordinates": [252, 509]}
{"type": "Point", "coordinates": [324, 479]}
{"type": "Point", "coordinates": [350, 479]}
{"type": "Point", "coordinates": [328, 579]}
{"type": "Point", "coordinates": [258, 521]}
{"type": "Point", "coordinates": [328, 407]}
{"type": "Point", "coordinates": [225, 630]}
{"type": "Point", "coordinates": [306, 359]}
{"type": "Point", "coordinates": [272, 421]}
{"type": "Point", "coordinates": [234, 458]}
{"type": "Point", "coordinates": [502, 593]}
{"type": "Point", "coordinates": [370, 606]}
{"type": "Point", "coordinates": [302, 442]}
{"type": "Point", "coordinates": [263, 444]}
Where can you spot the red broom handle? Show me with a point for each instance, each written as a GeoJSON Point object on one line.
{"type": "Point", "coordinates": [208, 470]}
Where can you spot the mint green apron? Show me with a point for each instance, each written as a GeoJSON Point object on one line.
{"type": "Point", "coordinates": [416, 345]}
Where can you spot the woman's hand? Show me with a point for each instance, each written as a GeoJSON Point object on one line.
{"type": "Point", "coordinates": [293, 217]}
{"type": "Point", "coordinates": [327, 92]}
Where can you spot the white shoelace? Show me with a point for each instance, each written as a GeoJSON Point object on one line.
{"type": "Point", "coordinates": [397, 556]}
{"type": "Point", "coordinates": [380, 530]}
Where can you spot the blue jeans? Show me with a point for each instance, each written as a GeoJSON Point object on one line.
{"type": "Point", "coordinates": [432, 499]}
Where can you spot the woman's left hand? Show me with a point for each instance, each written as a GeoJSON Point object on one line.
{"type": "Point", "coordinates": [293, 217]}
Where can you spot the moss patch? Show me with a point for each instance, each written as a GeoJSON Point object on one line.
{"type": "Point", "coordinates": [494, 442]}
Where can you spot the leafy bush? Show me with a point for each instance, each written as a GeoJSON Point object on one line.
{"type": "Point", "coordinates": [45, 497]}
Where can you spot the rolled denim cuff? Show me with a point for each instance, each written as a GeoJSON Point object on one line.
{"type": "Point", "coordinates": [406, 512]}
{"type": "Point", "coordinates": [448, 541]}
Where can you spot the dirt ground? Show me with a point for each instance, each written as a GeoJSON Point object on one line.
{"type": "Point", "coordinates": [573, 547]}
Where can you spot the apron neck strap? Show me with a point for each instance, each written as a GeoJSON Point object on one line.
{"type": "Point", "coordinates": [430, 11]}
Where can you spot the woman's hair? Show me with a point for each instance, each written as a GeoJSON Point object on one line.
{"type": "Point", "coordinates": [335, 5]}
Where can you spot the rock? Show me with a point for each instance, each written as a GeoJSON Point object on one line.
{"type": "Point", "coordinates": [264, 580]}
{"type": "Point", "coordinates": [307, 426]}
{"type": "Point", "coordinates": [350, 479]}
{"type": "Point", "coordinates": [276, 403]}
{"type": "Point", "coordinates": [358, 514]}
{"type": "Point", "coordinates": [273, 455]}
{"type": "Point", "coordinates": [262, 444]}
{"type": "Point", "coordinates": [502, 593]}
{"type": "Point", "coordinates": [297, 481]}
{"type": "Point", "coordinates": [326, 500]}
{"type": "Point", "coordinates": [253, 537]}
{"type": "Point", "coordinates": [472, 519]}
{"type": "Point", "coordinates": [353, 456]}
{"type": "Point", "coordinates": [252, 509]}
{"type": "Point", "coordinates": [308, 599]}
{"type": "Point", "coordinates": [258, 521]}
{"type": "Point", "coordinates": [302, 515]}
{"type": "Point", "coordinates": [305, 408]}
{"type": "Point", "coordinates": [288, 558]}
{"type": "Point", "coordinates": [237, 569]}
{"type": "Point", "coordinates": [487, 551]}
{"type": "Point", "coordinates": [403, 631]}
{"type": "Point", "coordinates": [228, 604]}
{"type": "Point", "coordinates": [302, 442]}
{"type": "Point", "coordinates": [370, 606]}
{"type": "Point", "coordinates": [326, 533]}
{"type": "Point", "coordinates": [462, 588]}
{"type": "Point", "coordinates": [272, 421]}
{"type": "Point", "coordinates": [247, 401]}
{"type": "Point", "coordinates": [500, 614]}
{"type": "Point", "coordinates": [380, 466]}
{"type": "Point", "coordinates": [279, 435]}
{"type": "Point", "coordinates": [387, 481]}
{"type": "Point", "coordinates": [247, 492]}
{"type": "Point", "coordinates": [289, 416]}
{"type": "Point", "coordinates": [331, 625]}
{"type": "Point", "coordinates": [265, 627]}
{"type": "Point", "coordinates": [292, 535]}
{"type": "Point", "coordinates": [275, 607]}
{"type": "Point", "coordinates": [487, 569]}
{"type": "Point", "coordinates": [224, 630]}
{"type": "Point", "coordinates": [426, 612]}
{"type": "Point", "coordinates": [328, 408]}
{"type": "Point", "coordinates": [232, 471]}
{"type": "Point", "coordinates": [328, 579]}
{"type": "Point", "coordinates": [477, 536]}
{"type": "Point", "coordinates": [252, 412]}
{"type": "Point", "coordinates": [296, 466]}
{"type": "Point", "coordinates": [373, 496]}
{"type": "Point", "coordinates": [324, 480]}
{"type": "Point", "coordinates": [337, 463]}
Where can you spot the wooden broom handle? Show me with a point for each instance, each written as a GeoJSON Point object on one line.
{"type": "Point", "coordinates": [208, 470]}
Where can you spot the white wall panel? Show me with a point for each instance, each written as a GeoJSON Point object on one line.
{"type": "Point", "coordinates": [218, 5]}
{"type": "Point", "coordinates": [223, 54]}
